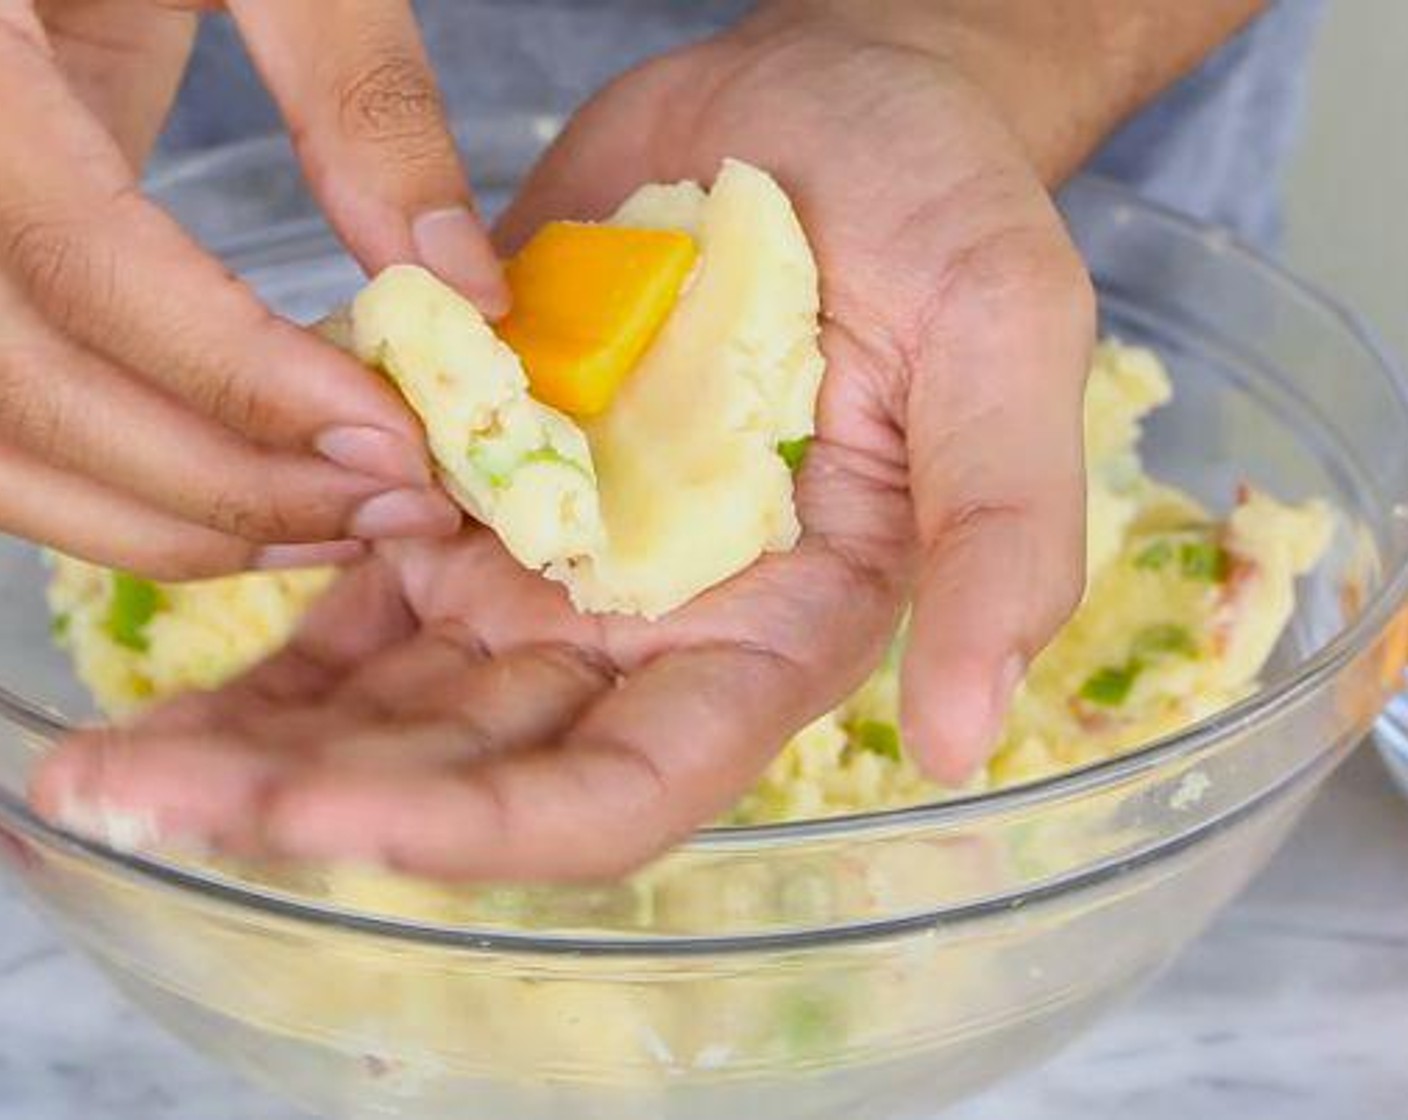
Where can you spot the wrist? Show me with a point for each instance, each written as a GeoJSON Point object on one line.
{"type": "Point", "coordinates": [1062, 74]}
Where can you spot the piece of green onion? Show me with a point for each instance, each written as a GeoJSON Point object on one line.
{"type": "Point", "coordinates": [1109, 687]}
{"type": "Point", "coordinates": [1203, 560]}
{"type": "Point", "coordinates": [794, 452]}
{"type": "Point", "coordinates": [135, 602]}
{"type": "Point", "coordinates": [1162, 640]}
{"type": "Point", "coordinates": [1154, 557]}
{"type": "Point", "coordinates": [878, 737]}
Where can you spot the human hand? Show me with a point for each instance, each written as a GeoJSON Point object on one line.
{"type": "Point", "coordinates": [947, 463]}
{"type": "Point", "coordinates": [154, 415]}
{"type": "Point", "coordinates": [445, 712]}
{"type": "Point", "coordinates": [448, 713]}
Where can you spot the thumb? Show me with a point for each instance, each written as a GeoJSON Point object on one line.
{"type": "Point", "coordinates": [995, 434]}
{"type": "Point", "coordinates": [352, 79]}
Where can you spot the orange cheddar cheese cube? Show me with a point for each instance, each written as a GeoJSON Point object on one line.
{"type": "Point", "coordinates": [587, 302]}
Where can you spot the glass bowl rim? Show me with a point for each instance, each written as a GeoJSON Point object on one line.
{"type": "Point", "coordinates": [1181, 745]}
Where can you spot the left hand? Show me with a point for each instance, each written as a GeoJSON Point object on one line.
{"type": "Point", "coordinates": [155, 415]}
{"type": "Point", "coordinates": [447, 713]}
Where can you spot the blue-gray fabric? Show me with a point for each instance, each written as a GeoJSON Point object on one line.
{"type": "Point", "coordinates": [1213, 146]}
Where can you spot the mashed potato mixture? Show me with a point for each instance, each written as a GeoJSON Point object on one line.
{"type": "Point", "coordinates": [638, 488]}
{"type": "Point", "coordinates": [134, 643]}
{"type": "Point", "coordinates": [664, 473]}
{"type": "Point", "coordinates": [1180, 613]}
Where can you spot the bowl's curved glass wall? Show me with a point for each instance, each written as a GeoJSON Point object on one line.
{"type": "Point", "coordinates": [874, 967]}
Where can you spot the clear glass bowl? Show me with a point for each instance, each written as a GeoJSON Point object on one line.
{"type": "Point", "coordinates": [875, 966]}
{"type": "Point", "coordinates": [1393, 740]}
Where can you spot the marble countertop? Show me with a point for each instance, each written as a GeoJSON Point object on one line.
{"type": "Point", "coordinates": [1294, 1006]}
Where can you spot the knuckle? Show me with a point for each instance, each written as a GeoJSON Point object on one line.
{"type": "Point", "coordinates": [34, 413]}
{"type": "Point", "coordinates": [45, 432]}
{"type": "Point", "coordinates": [1029, 278]}
{"type": "Point", "coordinates": [233, 511]}
{"type": "Point", "coordinates": [58, 268]}
{"type": "Point", "coordinates": [17, 396]}
{"type": "Point", "coordinates": [68, 270]}
{"type": "Point", "coordinates": [393, 101]}
{"type": "Point", "coordinates": [229, 373]}
{"type": "Point", "coordinates": [182, 568]}
{"type": "Point", "coordinates": [230, 398]}
{"type": "Point", "coordinates": [267, 507]}
{"type": "Point", "coordinates": [461, 639]}
{"type": "Point", "coordinates": [972, 517]}
{"type": "Point", "coordinates": [584, 666]}
{"type": "Point", "coordinates": [198, 555]}
{"type": "Point", "coordinates": [1018, 265]}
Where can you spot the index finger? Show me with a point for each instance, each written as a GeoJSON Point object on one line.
{"type": "Point", "coordinates": [113, 271]}
{"type": "Point", "coordinates": [353, 81]}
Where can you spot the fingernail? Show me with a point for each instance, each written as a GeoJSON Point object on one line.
{"type": "Point", "coordinates": [958, 730]}
{"type": "Point", "coordinates": [375, 452]}
{"type": "Point", "coordinates": [119, 829]}
{"type": "Point", "coordinates": [280, 557]}
{"type": "Point", "coordinates": [405, 513]}
{"type": "Point", "coordinates": [451, 243]}
{"type": "Point", "coordinates": [132, 832]}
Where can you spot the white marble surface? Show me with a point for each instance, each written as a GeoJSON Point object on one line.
{"type": "Point", "coordinates": [1293, 1007]}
